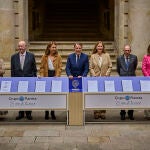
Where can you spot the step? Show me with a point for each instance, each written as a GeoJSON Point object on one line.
{"type": "Point", "coordinates": [68, 45]}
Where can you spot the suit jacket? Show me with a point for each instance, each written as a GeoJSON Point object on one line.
{"type": "Point", "coordinates": [121, 65]}
{"type": "Point", "coordinates": [100, 70]}
{"type": "Point", "coordinates": [77, 69]}
{"type": "Point", "coordinates": [29, 68]}
{"type": "Point", "coordinates": [2, 69]}
{"type": "Point", "coordinates": [57, 63]}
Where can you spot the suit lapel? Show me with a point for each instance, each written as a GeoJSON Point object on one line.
{"type": "Point", "coordinates": [18, 60]}
{"type": "Point", "coordinates": [80, 58]}
{"type": "Point", "coordinates": [129, 60]}
{"type": "Point", "coordinates": [103, 59]}
{"type": "Point", "coordinates": [26, 60]}
{"type": "Point", "coordinates": [74, 59]}
{"type": "Point", "coordinates": [124, 62]}
{"type": "Point", "coordinates": [97, 60]}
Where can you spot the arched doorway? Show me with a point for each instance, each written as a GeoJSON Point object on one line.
{"type": "Point", "coordinates": [65, 20]}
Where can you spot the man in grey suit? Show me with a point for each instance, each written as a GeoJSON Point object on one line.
{"type": "Point", "coordinates": [23, 65]}
{"type": "Point", "coordinates": [126, 66]}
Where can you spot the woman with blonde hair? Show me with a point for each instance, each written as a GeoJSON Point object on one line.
{"type": "Point", "coordinates": [2, 72]}
{"type": "Point", "coordinates": [100, 65]}
{"type": "Point", "coordinates": [51, 65]}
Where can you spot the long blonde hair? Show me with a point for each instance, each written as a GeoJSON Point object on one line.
{"type": "Point", "coordinates": [95, 47]}
{"type": "Point", "coordinates": [47, 51]}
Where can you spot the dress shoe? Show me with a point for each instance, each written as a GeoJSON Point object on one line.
{"type": "Point", "coordinates": [46, 115]}
{"type": "Point", "coordinates": [131, 117]}
{"type": "Point", "coordinates": [123, 117]}
{"type": "Point", "coordinates": [96, 115]}
{"type": "Point", "coordinates": [53, 115]}
{"type": "Point", "coordinates": [19, 117]}
{"type": "Point", "coordinates": [29, 117]}
{"type": "Point", "coordinates": [103, 117]}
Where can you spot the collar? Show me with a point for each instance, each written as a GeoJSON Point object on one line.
{"type": "Point", "coordinates": [24, 54]}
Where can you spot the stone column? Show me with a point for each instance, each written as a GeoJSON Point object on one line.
{"type": "Point", "coordinates": [139, 26]}
{"type": "Point", "coordinates": [6, 29]}
{"type": "Point", "coordinates": [121, 24]}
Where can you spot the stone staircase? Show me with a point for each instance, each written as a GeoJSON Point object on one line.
{"type": "Point", "coordinates": [66, 48]}
{"type": "Point", "coordinates": [70, 20]}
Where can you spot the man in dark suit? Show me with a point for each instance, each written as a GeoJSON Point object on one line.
{"type": "Point", "coordinates": [77, 63]}
{"type": "Point", "coordinates": [23, 65]}
{"type": "Point", "coordinates": [126, 66]}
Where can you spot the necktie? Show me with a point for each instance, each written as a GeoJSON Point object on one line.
{"type": "Point", "coordinates": [78, 58]}
{"type": "Point", "coordinates": [127, 62]}
{"type": "Point", "coordinates": [22, 61]}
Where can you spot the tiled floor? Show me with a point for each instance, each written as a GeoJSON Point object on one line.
{"type": "Point", "coordinates": [111, 134]}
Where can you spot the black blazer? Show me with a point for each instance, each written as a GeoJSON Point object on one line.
{"type": "Point", "coordinates": [29, 68]}
{"type": "Point", "coordinates": [121, 65]}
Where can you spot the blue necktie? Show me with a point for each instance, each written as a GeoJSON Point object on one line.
{"type": "Point", "coordinates": [127, 63]}
{"type": "Point", "coordinates": [78, 58]}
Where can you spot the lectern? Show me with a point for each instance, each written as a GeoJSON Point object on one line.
{"type": "Point", "coordinates": [75, 102]}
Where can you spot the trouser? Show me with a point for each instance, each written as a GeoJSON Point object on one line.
{"type": "Point", "coordinates": [130, 112]}
{"type": "Point", "coordinates": [28, 113]}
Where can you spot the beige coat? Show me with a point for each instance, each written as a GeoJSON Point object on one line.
{"type": "Point", "coordinates": [100, 70]}
{"type": "Point", "coordinates": [57, 63]}
{"type": "Point", "coordinates": [2, 69]}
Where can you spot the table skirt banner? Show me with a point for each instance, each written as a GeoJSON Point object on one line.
{"type": "Point", "coordinates": [33, 101]}
{"type": "Point", "coordinates": [117, 100]}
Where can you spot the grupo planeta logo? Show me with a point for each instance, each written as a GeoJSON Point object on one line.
{"type": "Point", "coordinates": [21, 98]}
{"type": "Point", "coordinates": [127, 98]}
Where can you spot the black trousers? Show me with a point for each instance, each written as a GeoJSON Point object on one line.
{"type": "Point", "coordinates": [28, 113]}
{"type": "Point", "coordinates": [130, 112]}
{"type": "Point", "coordinates": [51, 73]}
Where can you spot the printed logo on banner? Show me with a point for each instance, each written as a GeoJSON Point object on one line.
{"type": "Point", "coordinates": [127, 97]}
{"type": "Point", "coordinates": [128, 100]}
{"type": "Point", "coordinates": [21, 98]}
{"type": "Point", "coordinates": [22, 101]}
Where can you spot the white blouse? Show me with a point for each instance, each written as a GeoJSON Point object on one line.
{"type": "Point", "coordinates": [100, 61]}
{"type": "Point", "coordinates": [50, 64]}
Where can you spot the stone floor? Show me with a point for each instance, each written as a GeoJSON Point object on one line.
{"type": "Point", "coordinates": [111, 134]}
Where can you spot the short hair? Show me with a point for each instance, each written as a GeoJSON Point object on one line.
{"type": "Point", "coordinates": [78, 44]}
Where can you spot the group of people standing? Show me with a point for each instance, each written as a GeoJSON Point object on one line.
{"type": "Point", "coordinates": [23, 64]}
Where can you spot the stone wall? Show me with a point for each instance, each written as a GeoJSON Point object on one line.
{"type": "Point", "coordinates": [139, 26]}
{"type": "Point", "coordinates": [6, 29]}
{"type": "Point", "coordinates": [132, 22]}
